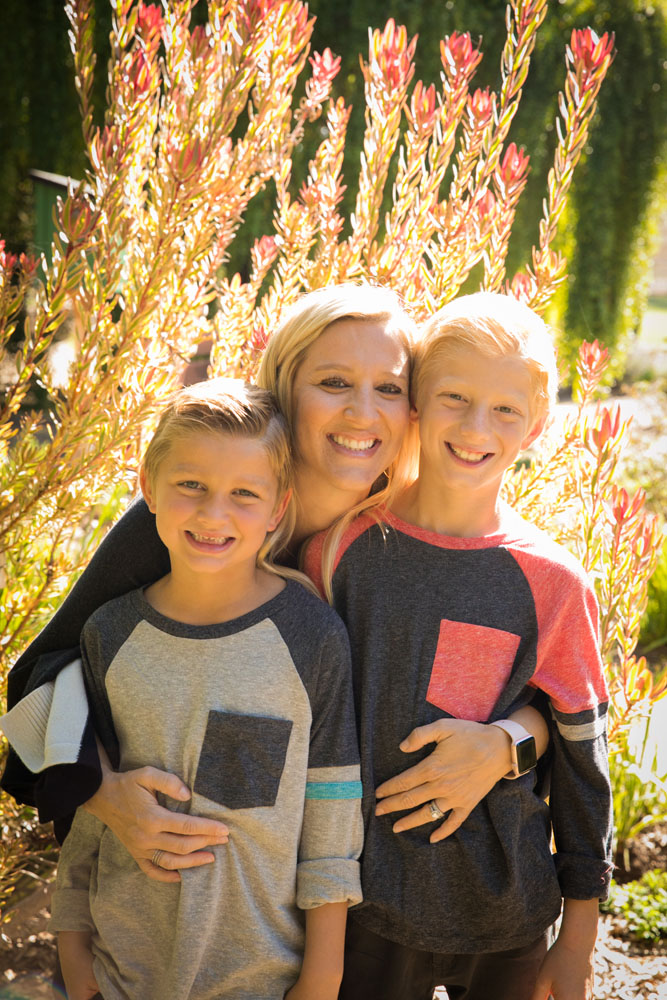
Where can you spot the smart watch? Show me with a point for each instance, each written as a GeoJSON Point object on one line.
{"type": "Point", "coordinates": [522, 751]}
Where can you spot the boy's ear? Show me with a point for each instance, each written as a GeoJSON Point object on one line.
{"type": "Point", "coordinates": [279, 510]}
{"type": "Point", "coordinates": [414, 413]}
{"type": "Point", "coordinates": [534, 432]}
{"type": "Point", "coordinates": [146, 489]}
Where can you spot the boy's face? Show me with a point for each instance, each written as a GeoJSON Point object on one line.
{"type": "Point", "coordinates": [475, 413]}
{"type": "Point", "coordinates": [215, 497]}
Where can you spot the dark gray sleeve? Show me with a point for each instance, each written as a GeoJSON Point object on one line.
{"type": "Point", "coordinates": [130, 556]}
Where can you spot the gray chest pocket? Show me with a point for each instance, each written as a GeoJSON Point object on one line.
{"type": "Point", "coordinates": [242, 759]}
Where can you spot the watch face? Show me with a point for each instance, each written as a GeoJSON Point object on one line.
{"type": "Point", "coordinates": [526, 758]}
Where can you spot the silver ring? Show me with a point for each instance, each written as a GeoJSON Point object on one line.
{"type": "Point", "coordinates": [156, 858]}
{"type": "Point", "coordinates": [435, 810]}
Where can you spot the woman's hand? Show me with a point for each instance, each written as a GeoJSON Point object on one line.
{"type": "Point", "coordinates": [468, 760]}
{"type": "Point", "coordinates": [126, 802]}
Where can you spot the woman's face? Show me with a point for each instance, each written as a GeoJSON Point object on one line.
{"type": "Point", "coordinates": [351, 406]}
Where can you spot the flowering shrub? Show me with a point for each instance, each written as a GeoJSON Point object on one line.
{"type": "Point", "coordinates": [198, 122]}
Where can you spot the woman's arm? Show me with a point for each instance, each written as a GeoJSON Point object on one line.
{"type": "Point", "coordinates": [468, 759]}
{"type": "Point", "coordinates": [131, 555]}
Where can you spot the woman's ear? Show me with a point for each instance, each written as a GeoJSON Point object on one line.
{"type": "Point", "coordinates": [278, 510]}
{"type": "Point", "coordinates": [146, 489]}
{"type": "Point", "coordinates": [414, 414]}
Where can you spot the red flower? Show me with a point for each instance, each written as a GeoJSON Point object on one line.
{"type": "Point", "coordinates": [512, 170]}
{"type": "Point", "coordinates": [7, 260]}
{"type": "Point", "coordinates": [264, 251]}
{"type": "Point", "coordinates": [481, 107]}
{"type": "Point", "coordinates": [590, 54]}
{"type": "Point", "coordinates": [423, 105]}
{"type": "Point", "coordinates": [485, 204]}
{"type": "Point", "coordinates": [149, 20]}
{"type": "Point", "coordinates": [325, 68]}
{"type": "Point", "coordinates": [259, 338]}
{"type": "Point", "coordinates": [392, 53]}
{"type": "Point", "coordinates": [458, 55]}
{"type": "Point", "coordinates": [593, 355]}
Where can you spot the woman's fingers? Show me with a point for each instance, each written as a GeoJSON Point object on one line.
{"type": "Point", "coordinates": [154, 780]}
{"type": "Point", "coordinates": [423, 815]}
{"type": "Point", "coordinates": [394, 798]}
{"type": "Point", "coordinates": [452, 823]}
{"type": "Point", "coordinates": [157, 874]}
{"type": "Point", "coordinates": [126, 802]}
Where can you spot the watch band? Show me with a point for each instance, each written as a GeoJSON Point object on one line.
{"type": "Point", "coordinates": [517, 735]}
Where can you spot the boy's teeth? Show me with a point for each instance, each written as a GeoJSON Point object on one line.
{"type": "Point", "coordinates": [468, 456]}
{"type": "Point", "coordinates": [209, 538]}
{"type": "Point", "coordinates": [347, 442]}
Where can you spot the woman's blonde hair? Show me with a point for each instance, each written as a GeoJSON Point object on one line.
{"type": "Point", "coordinates": [307, 320]}
{"type": "Point", "coordinates": [231, 406]}
{"type": "Point", "coordinates": [496, 325]}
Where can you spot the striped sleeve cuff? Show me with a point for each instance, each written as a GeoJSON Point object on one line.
{"type": "Point", "coordinates": [46, 727]}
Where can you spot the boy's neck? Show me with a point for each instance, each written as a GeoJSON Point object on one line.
{"type": "Point", "coordinates": [458, 514]}
{"type": "Point", "coordinates": [198, 599]}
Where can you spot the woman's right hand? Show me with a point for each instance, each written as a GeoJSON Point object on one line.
{"type": "Point", "coordinates": [126, 802]}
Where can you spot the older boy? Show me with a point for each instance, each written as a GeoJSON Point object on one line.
{"type": "Point", "coordinates": [458, 607]}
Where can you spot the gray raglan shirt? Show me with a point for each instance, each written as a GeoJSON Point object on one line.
{"type": "Point", "coordinates": [256, 716]}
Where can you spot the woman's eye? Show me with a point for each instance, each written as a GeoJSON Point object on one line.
{"type": "Point", "coordinates": [334, 382]}
{"type": "Point", "coordinates": [390, 389]}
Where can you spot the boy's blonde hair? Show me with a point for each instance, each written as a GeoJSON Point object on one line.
{"type": "Point", "coordinates": [232, 406]}
{"type": "Point", "coordinates": [309, 317]}
{"type": "Point", "coordinates": [496, 325]}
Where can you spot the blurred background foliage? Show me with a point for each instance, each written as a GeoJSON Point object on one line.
{"type": "Point", "coordinates": [610, 230]}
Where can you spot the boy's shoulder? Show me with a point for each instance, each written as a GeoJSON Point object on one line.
{"type": "Point", "coordinates": [310, 612]}
{"type": "Point", "coordinates": [538, 545]}
{"type": "Point", "coordinates": [314, 547]}
{"type": "Point", "coordinates": [116, 613]}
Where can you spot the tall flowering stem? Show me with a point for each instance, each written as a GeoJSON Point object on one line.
{"type": "Point", "coordinates": [571, 490]}
{"type": "Point", "coordinates": [588, 59]}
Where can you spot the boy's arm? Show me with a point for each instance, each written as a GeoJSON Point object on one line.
{"type": "Point", "coordinates": [332, 828]}
{"type": "Point", "coordinates": [76, 963]}
{"type": "Point", "coordinates": [322, 969]}
{"type": "Point", "coordinates": [567, 970]}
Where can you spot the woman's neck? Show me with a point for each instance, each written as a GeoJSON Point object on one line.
{"type": "Point", "coordinates": [318, 505]}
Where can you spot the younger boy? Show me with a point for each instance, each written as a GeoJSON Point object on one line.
{"type": "Point", "coordinates": [238, 681]}
{"type": "Point", "coordinates": [457, 607]}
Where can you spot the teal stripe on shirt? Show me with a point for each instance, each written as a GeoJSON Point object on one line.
{"type": "Point", "coordinates": [333, 789]}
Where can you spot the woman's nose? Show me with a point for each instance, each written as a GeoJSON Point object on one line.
{"type": "Point", "coordinates": [361, 404]}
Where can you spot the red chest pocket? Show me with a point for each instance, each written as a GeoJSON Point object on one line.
{"type": "Point", "coordinates": [471, 667]}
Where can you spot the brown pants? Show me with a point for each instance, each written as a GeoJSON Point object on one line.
{"type": "Point", "coordinates": [378, 969]}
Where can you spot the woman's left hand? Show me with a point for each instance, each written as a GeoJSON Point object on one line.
{"type": "Point", "coordinates": [468, 760]}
